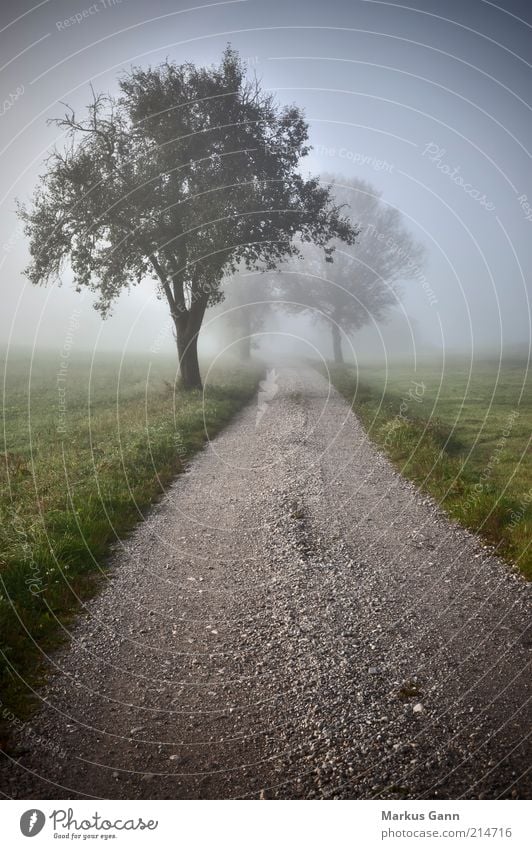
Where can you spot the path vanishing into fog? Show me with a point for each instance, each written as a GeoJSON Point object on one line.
{"type": "Point", "coordinates": [295, 620]}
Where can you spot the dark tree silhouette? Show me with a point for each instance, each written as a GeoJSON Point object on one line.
{"type": "Point", "coordinates": [189, 173]}
{"type": "Point", "coordinates": [359, 285]}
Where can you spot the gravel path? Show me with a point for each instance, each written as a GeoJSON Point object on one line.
{"type": "Point", "coordinates": [295, 620]}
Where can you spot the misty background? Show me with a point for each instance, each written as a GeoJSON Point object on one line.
{"type": "Point", "coordinates": [409, 98]}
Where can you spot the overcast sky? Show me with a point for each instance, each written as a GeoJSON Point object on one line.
{"type": "Point", "coordinates": [428, 101]}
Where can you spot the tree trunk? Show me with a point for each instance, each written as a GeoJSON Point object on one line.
{"type": "Point", "coordinates": [337, 344]}
{"type": "Point", "coordinates": [187, 352]}
{"type": "Point", "coordinates": [187, 322]}
{"type": "Point", "coordinates": [189, 369]}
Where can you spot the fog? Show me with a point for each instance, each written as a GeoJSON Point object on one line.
{"type": "Point", "coordinates": [428, 103]}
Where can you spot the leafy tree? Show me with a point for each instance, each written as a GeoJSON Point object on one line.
{"type": "Point", "coordinates": [361, 285]}
{"type": "Point", "coordinates": [188, 173]}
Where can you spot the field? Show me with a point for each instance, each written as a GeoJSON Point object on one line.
{"type": "Point", "coordinates": [463, 435]}
{"type": "Point", "coordinates": [86, 448]}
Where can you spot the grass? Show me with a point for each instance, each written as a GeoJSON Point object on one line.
{"type": "Point", "coordinates": [85, 451]}
{"type": "Point", "coordinates": [462, 435]}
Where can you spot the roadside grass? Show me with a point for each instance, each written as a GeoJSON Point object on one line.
{"type": "Point", "coordinates": [461, 435]}
{"type": "Point", "coordinates": [66, 497]}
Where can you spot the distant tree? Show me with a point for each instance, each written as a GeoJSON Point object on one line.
{"type": "Point", "coordinates": [359, 285]}
{"type": "Point", "coordinates": [247, 305]}
{"type": "Point", "coordinates": [188, 173]}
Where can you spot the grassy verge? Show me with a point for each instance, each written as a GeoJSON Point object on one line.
{"type": "Point", "coordinates": [463, 437]}
{"type": "Point", "coordinates": [85, 452]}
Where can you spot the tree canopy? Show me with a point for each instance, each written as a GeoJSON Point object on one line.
{"type": "Point", "coordinates": [189, 173]}
{"type": "Point", "coordinates": [361, 284]}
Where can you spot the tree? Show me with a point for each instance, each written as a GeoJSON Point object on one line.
{"type": "Point", "coordinates": [361, 285]}
{"type": "Point", "coordinates": [247, 305]}
{"type": "Point", "coordinates": [187, 174]}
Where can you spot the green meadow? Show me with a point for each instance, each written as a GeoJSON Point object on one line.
{"type": "Point", "coordinates": [462, 433]}
{"type": "Point", "coordinates": [87, 447]}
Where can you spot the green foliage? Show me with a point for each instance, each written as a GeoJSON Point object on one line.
{"type": "Point", "coordinates": [465, 440]}
{"type": "Point", "coordinates": [188, 173]}
{"type": "Point", "coordinates": [67, 497]}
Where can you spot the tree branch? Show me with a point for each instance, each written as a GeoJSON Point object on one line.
{"type": "Point", "coordinates": [164, 283]}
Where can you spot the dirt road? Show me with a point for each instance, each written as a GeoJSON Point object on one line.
{"type": "Point", "coordinates": [294, 621]}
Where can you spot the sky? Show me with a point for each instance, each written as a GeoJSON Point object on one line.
{"type": "Point", "coordinates": [428, 101]}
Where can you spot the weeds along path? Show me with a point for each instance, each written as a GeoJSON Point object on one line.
{"type": "Point", "coordinates": [294, 621]}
